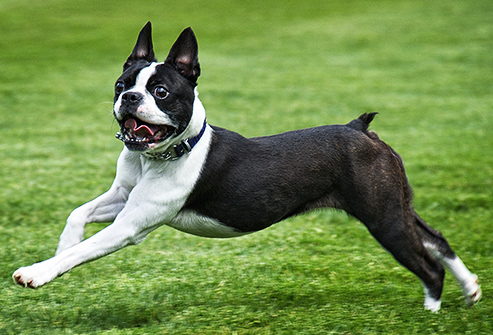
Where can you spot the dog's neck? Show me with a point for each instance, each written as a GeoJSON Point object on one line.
{"type": "Point", "coordinates": [178, 150]}
{"type": "Point", "coordinates": [186, 141]}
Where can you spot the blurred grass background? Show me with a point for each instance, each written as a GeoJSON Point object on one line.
{"type": "Point", "coordinates": [267, 67]}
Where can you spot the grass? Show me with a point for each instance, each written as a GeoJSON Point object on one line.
{"type": "Point", "coordinates": [268, 66]}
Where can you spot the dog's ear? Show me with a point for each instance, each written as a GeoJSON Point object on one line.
{"type": "Point", "coordinates": [184, 55]}
{"type": "Point", "coordinates": [143, 48]}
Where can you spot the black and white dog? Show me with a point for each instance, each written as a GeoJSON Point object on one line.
{"type": "Point", "coordinates": [177, 170]}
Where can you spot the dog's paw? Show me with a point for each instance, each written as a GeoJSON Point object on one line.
{"type": "Point", "coordinates": [473, 292]}
{"type": "Point", "coordinates": [24, 278]}
{"type": "Point", "coordinates": [432, 305]}
{"type": "Point", "coordinates": [31, 276]}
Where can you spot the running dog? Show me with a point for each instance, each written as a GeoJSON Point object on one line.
{"type": "Point", "coordinates": [177, 170]}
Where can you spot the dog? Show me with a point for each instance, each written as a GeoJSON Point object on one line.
{"type": "Point", "coordinates": [177, 170]}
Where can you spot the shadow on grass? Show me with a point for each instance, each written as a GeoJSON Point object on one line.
{"type": "Point", "coordinates": [183, 307]}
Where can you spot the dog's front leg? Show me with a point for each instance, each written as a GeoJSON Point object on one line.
{"type": "Point", "coordinates": [130, 227]}
{"type": "Point", "coordinates": [104, 208]}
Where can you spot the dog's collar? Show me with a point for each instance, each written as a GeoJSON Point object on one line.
{"type": "Point", "coordinates": [178, 150]}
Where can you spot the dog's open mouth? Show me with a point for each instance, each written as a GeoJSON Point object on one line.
{"type": "Point", "coordinates": [139, 135]}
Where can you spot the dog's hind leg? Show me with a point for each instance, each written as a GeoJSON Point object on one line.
{"type": "Point", "coordinates": [425, 252]}
{"type": "Point", "coordinates": [382, 201]}
{"type": "Point", "coordinates": [436, 244]}
{"type": "Point", "coordinates": [404, 243]}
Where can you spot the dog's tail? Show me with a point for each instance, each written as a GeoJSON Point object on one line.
{"type": "Point", "coordinates": [363, 122]}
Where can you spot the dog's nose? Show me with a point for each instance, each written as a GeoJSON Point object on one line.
{"type": "Point", "coordinates": [132, 98]}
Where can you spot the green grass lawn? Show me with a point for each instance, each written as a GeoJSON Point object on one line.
{"type": "Point", "coordinates": [267, 67]}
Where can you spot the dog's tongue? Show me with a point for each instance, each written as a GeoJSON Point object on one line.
{"type": "Point", "coordinates": [142, 130]}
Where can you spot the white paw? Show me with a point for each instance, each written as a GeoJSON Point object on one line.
{"type": "Point", "coordinates": [432, 305]}
{"type": "Point", "coordinates": [472, 291]}
{"type": "Point", "coordinates": [33, 276]}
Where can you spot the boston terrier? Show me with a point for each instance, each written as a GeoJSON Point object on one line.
{"type": "Point", "coordinates": [177, 170]}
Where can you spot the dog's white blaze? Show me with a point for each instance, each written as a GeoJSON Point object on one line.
{"type": "Point", "coordinates": [148, 111]}
{"type": "Point", "coordinates": [193, 223]}
{"type": "Point", "coordinates": [144, 75]}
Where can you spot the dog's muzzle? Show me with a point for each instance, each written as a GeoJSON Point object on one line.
{"type": "Point", "coordinates": [139, 135]}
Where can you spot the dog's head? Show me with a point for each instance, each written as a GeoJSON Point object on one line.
{"type": "Point", "coordinates": [154, 101]}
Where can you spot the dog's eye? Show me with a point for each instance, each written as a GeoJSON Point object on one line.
{"type": "Point", "coordinates": [119, 87]}
{"type": "Point", "coordinates": [160, 92]}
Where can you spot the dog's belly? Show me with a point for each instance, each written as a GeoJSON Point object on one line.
{"type": "Point", "coordinates": [194, 223]}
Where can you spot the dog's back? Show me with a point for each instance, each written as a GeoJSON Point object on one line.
{"type": "Point", "coordinates": [251, 183]}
